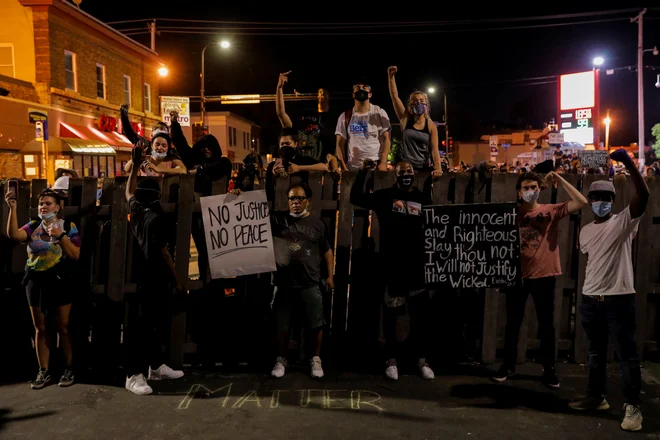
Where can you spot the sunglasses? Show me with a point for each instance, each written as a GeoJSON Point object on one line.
{"type": "Point", "coordinates": [297, 198]}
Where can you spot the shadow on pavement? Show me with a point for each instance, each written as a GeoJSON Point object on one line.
{"type": "Point", "coordinates": [5, 417]}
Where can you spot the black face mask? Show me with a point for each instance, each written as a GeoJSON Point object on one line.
{"type": "Point", "coordinates": [361, 95]}
{"type": "Point", "coordinates": [287, 153]}
{"type": "Point", "coordinates": [404, 181]}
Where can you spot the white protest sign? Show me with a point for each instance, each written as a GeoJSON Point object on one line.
{"type": "Point", "coordinates": [175, 103]}
{"type": "Point", "coordinates": [239, 240]}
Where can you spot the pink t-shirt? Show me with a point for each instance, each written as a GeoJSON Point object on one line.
{"type": "Point", "coordinates": [539, 249]}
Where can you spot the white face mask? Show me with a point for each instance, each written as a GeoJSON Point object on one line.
{"type": "Point", "coordinates": [48, 216]}
{"type": "Point", "coordinates": [156, 155]}
{"type": "Point", "coordinates": [302, 214]}
{"type": "Point", "coordinates": [531, 196]}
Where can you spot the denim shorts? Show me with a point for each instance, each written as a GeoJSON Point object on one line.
{"type": "Point", "coordinates": [309, 300]}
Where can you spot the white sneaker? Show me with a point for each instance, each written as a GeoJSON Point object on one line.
{"type": "Point", "coordinates": [164, 372]}
{"type": "Point", "coordinates": [632, 421]}
{"type": "Point", "coordinates": [425, 370]}
{"type": "Point", "coordinates": [279, 368]}
{"type": "Point", "coordinates": [392, 372]}
{"type": "Point", "coordinates": [136, 384]}
{"type": "Point", "coordinates": [316, 368]}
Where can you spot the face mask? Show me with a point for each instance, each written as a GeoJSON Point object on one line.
{"type": "Point", "coordinates": [361, 95]}
{"type": "Point", "coordinates": [302, 214]}
{"type": "Point", "coordinates": [530, 196]}
{"type": "Point", "coordinates": [47, 216]}
{"type": "Point", "coordinates": [287, 152]}
{"type": "Point", "coordinates": [156, 155]}
{"type": "Point", "coordinates": [404, 181]}
{"type": "Point", "coordinates": [601, 209]}
{"type": "Point", "coordinates": [419, 108]}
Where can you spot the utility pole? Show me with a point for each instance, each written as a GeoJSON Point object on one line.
{"type": "Point", "coordinates": [446, 126]}
{"type": "Point", "coordinates": [152, 29]}
{"type": "Point", "coordinates": [640, 87]}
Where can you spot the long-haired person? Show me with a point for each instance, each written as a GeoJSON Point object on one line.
{"type": "Point", "coordinates": [420, 135]}
{"type": "Point", "coordinates": [53, 246]}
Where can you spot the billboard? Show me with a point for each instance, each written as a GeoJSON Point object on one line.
{"type": "Point", "coordinates": [578, 107]}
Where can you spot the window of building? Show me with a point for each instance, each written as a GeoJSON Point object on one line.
{"type": "Point", "coordinates": [70, 70]}
{"type": "Point", "coordinates": [147, 97]}
{"type": "Point", "coordinates": [7, 60]}
{"type": "Point", "coordinates": [127, 90]}
{"type": "Point", "coordinates": [100, 81]}
{"type": "Point", "coordinates": [234, 130]}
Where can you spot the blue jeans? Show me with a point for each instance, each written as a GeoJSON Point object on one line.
{"type": "Point", "coordinates": [615, 317]}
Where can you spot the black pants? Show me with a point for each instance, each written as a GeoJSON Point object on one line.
{"type": "Point", "coordinates": [615, 316]}
{"type": "Point", "coordinates": [419, 307]}
{"type": "Point", "coordinates": [543, 292]}
{"type": "Point", "coordinates": [146, 329]}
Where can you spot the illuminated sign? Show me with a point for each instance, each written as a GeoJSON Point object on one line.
{"type": "Point", "coordinates": [109, 123]}
{"type": "Point", "coordinates": [578, 107]}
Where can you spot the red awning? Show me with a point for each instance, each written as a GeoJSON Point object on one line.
{"type": "Point", "coordinates": [118, 141]}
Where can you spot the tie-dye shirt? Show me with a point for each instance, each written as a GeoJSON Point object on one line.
{"type": "Point", "coordinates": [45, 254]}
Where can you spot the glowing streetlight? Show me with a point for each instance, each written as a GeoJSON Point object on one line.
{"type": "Point", "coordinates": [598, 61]}
{"type": "Point", "coordinates": [225, 44]}
{"type": "Point", "coordinates": [163, 71]}
{"type": "Point", "coordinates": [607, 121]}
{"type": "Point", "coordinates": [431, 90]}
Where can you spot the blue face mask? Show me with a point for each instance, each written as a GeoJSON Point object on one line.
{"type": "Point", "coordinates": [601, 209]}
{"type": "Point", "coordinates": [419, 108]}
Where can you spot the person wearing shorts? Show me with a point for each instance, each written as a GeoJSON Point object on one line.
{"type": "Point", "coordinates": [301, 245]}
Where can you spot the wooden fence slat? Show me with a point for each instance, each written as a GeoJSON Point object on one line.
{"type": "Point", "coordinates": [19, 251]}
{"type": "Point", "coordinates": [37, 187]}
{"type": "Point", "coordinates": [441, 189]}
{"type": "Point", "coordinates": [316, 185]}
{"type": "Point", "coordinates": [118, 234]}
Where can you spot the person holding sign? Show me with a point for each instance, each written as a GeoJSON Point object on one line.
{"type": "Point", "coordinates": [301, 246]}
{"type": "Point", "coordinates": [144, 342]}
{"type": "Point", "coordinates": [399, 211]}
{"type": "Point", "coordinates": [539, 251]}
{"type": "Point", "coordinates": [608, 302]}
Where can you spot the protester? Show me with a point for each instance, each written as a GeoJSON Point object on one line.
{"type": "Point", "coordinates": [301, 246]}
{"type": "Point", "coordinates": [420, 134]}
{"type": "Point", "coordinates": [53, 247]}
{"type": "Point", "coordinates": [144, 336]}
{"type": "Point", "coordinates": [608, 302]}
{"type": "Point", "coordinates": [364, 131]}
{"type": "Point", "coordinates": [132, 136]}
{"type": "Point", "coordinates": [539, 251]}
{"type": "Point", "coordinates": [315, 126]}
{"type": "Point", "coordinates": [399, 211]}
{"type": "Point", "coordinates": [61, 186]}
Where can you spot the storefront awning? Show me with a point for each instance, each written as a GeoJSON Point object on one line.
{"type": "Point", "coordinates": [117, 141]}
{"type": "Point", "coordinates": [59, 145]}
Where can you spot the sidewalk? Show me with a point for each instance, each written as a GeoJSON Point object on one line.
{"type": "Point", "coordinates": [462, 405]}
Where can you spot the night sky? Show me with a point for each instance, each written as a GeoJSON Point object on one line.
{"type": "Point", "coordinates": [475, 68]}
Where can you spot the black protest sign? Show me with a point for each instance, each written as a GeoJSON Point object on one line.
{"type": "Point", "coordinates": [593, 158]}
{"type": "Point", "coordinates": [472, 246]}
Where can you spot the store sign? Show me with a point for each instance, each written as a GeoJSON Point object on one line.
{"type": "Point", "coordinates": [109, 123]}
{"type": "Point", "coordinates": [178, 104]}
{"type": "Point", "coordinates": [36, 115]}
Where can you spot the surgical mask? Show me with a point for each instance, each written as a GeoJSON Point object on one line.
{"type": "Point", "coordinates": [47, 216]}
{"type": "Point", "coordinates": [302, 214]}
{"type": "Point", "coordinates": [361, 95]}
{"type": "Point", "coordinates": [601, 209]}
{"type": "Point", "coordinates": [405, 181]}
{"type": "Point", "coordinates": [156, 155]}
{"type": "Point", "coordinates": [531, 196]}
{"type": "Point", "coordinates": [419, 108]}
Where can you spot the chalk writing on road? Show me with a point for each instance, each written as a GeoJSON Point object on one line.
{"type": "Point", "coordinates": [307, 398]}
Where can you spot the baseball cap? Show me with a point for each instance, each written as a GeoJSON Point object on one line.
{"type": "Point", "coordinates": [602, 185]}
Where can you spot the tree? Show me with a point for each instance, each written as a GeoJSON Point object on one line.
{"type": "Point", "coordinates": [656, 132]}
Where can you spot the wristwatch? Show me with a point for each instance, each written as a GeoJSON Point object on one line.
{"type": "Point", "coordinates": [62, 235]}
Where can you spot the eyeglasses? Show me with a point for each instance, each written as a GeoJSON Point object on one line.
{"type": "Point", "coordinates": [297, 199]}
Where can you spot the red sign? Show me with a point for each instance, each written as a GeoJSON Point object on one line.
{"type": "Point", "coordinates": [109, 123]}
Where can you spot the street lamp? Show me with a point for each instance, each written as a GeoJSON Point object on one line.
{"type": "Point", "coordinates": [598, 61]}
{"type": "Point", "coordinates": [432, 91]}
{"type": "Point", "coordinates": [607, 121]}
{"type": "Point", "coordinates": [223, 44]}
{"type": "Point", "coordinates": [163, 71]}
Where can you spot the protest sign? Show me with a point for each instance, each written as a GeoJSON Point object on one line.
{"type": "Point", "coordinates": [180, 104]}
{"type": "Point", "coordinates": [593, 158]}
{"type": "Point", "coordinates": [239, 240]}
{"type": "Point", "coordinates": [472, 246]}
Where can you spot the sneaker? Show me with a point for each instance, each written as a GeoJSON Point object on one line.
{"type": "Point", "coordinates": [137, 384]}
{"type": "Point", "coordinates": [43, 377]}
{"type": "Point", "coordinates": [392, 372]}
{"type": "Point", "coordinates": [425, 370]}
{"type": "Point", "coordinates": [67, 378]}
{"type": "Point", "coordinates": [279, 368]}
{"type": "Point", "coordinates": [590, 403]}
{"type": "Point", "coordinates": [164, 372]}
{"type": "Point", "coordinates": [316, 368]}
{"type": "Point", "coordinates": [504, 373]}
{"type": "Point", "coordinates": [632, 421]}
{"type": "Point", "coordinates": [550, 378]}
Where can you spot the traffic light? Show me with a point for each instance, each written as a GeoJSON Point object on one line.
{"type": "Point", "coordinates": [198, 131]}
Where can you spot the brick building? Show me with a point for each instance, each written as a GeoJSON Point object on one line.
{"type": "Point", "coordinates": [60, 63]}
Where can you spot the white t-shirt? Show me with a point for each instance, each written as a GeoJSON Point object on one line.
{"type": "Point", "coordinates": [609, 264]}
{"type": "Point", "coordinates": [364, 132]}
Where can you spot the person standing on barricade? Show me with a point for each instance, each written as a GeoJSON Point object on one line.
{"type": "Point", "coordinates": [144, 336]}
{"type": "Point", "coordinates": [53, 247]}
{"type": "Point", "coordinates": [608, 302]}
{"type": "Point", "coordinates": [399, 211]}
{"type": "Point", "coordinates": [420, 135]}
{"type": "Point", "coordinates": [364, 131]}
{"type": "Point", "coordinates": [301, 246]}
{"type": "Point", "coordinates": [539, 254]}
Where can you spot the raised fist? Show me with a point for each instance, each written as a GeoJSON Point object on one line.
{"type": "Point", "coordinates": [174, 115]}
{"type": "Point", "coordinates": [391, 71]}
{"type": "Point", "coordinates": [124, 109]}
{"type": "Point", "coordinates": [136, 156]}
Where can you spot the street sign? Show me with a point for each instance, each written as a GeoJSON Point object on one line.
{"type": "Point", "coordinates": [555, 138]}
{"type": "Point", "coordinates": [36, 115]}
{"type": "Point", "coordinates": [39, 130]}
